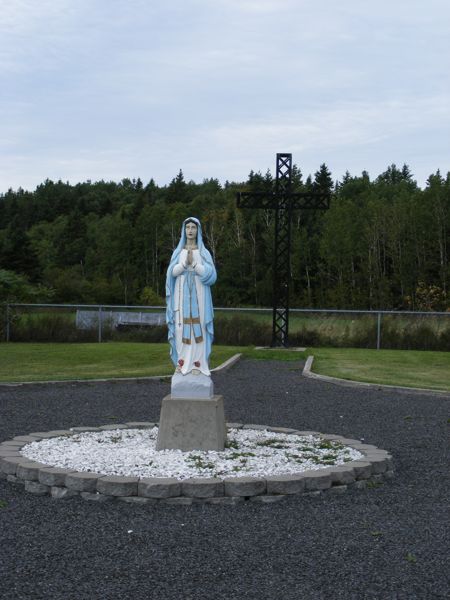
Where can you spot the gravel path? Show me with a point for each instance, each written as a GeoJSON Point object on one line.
{"type": "Point", "coordinates": [383, 543]}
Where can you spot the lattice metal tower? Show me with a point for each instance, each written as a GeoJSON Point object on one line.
{"type": "Point", "coordinates": [283, 201]}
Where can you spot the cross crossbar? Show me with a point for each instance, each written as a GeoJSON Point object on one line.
{"type": "Point", "coordinates": [271, 200]}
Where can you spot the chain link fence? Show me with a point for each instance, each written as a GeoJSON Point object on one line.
{"type": "Point", "coordinates": [235, 326]}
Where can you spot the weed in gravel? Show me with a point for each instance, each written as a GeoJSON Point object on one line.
{"type": "Point", "coordinates": [411, 558]}
{"type": "Point", "coordinates": [326, 445]}
{"type": "Point", "coordinates": [231, 444]}
{"type": "Point", "coordinates": [376, 533]}
{"type": "Point", "coordinates": [316, 460]}
{"type": "Point", "coordinates": [236, 455]}
{"type": "Point", "coordinates": [373, 484]}
{"type": "Point", "coordinates": [199, 462]}
{"type": "Point", "coordinates": [329, 457]}
{"type": "Point", "coordinates": [295, 457]}
{"type": "Point", "coordinates": [3, 503]}
{"type": "Point", "coordinates": [272, 443]}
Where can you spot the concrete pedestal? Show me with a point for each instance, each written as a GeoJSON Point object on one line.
{"type": "Point", "coordinates": [192, 424]}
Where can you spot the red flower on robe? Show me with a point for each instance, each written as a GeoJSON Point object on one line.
{"type": "Point", "coordinates": [197, 363]}
{"type": "Point", "coordinates": [181, 362]}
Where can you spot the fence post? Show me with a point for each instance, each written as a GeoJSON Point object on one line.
{"type": "Point", "coordinates": [99, 324]}
{"type": "Point", "coordinates": [7, 323]}
{"type": "Point", "coordinates": [379, 331]}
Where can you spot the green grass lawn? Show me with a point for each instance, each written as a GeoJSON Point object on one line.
{"type": "Point", "coordinates": [410, 368]}
{"type": "Point", "coordinates": [20, 362]}
{"type": "Point", "coordinates": [45, 362]}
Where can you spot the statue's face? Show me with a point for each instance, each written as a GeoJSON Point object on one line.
{"type": "Point", "coordinates": [191, 231]}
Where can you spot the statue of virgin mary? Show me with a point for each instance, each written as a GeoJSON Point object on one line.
{"type": "Point", "coordinates": [189, 313]}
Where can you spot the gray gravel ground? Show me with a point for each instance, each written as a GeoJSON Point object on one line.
{"type": "Point", "coordinates": [388, 542]}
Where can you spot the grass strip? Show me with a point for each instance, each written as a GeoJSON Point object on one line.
{"type": "Point", "coordinates": [409, 368]}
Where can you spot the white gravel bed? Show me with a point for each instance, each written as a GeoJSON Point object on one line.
{"type": "Point", "coordinates": [131, 452]}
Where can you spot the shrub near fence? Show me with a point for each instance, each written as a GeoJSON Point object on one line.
{"type": "Point", "coordinates": [238, 327]}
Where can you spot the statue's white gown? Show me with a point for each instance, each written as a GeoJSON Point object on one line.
{"type": "Point", "coordinates": [195, 351]}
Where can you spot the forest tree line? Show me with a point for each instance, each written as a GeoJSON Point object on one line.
{"type": "Point", "coordinates": [383, 244]}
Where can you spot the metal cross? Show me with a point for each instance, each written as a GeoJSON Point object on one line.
{"type": "Point", "coordinates": [283, 201]}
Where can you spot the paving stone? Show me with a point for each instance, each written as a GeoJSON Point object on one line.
{"type": "Point", "coordinates": [96, 497]}
{"type": "Point", "coordinates": [337, 489]}
{"type": "Point", "coordinates": [314, 494]}
{"type": "Point", "coordinates": [257, 427]}
{"type": "Point", "coordinates": [159, 487]}
{"type": "Point", "coordinates": [180, 500]}
{"type": "Point", "coordinates": [244, 486]}
{"type": "Point", "coordinates": [348, 441]}
{"type": "Point", "coordinates": [362, 468]}
{"type": "Point", "coordinates": [286, 430]}
{"type": "Point", "coordinates": [389, 475]}
{"type": "Point", "coordinates": [42, 435]}
{"type": "Point", "coordinates": [316, 480]}
{"type": "Point", "coordinates": [113, 426]}
{"type": "Point", "coordinates": [137, 500]}
{"type": "Point", "coordinates": [381, 454]}
{"type": "Point", "coordinates": [8, 464]}
{"type": "Point", "coordinates": [61, 493]}
{"type": "Point", "coordinates": [12, 443]}
{"type": "Point", "coordinates": [34, 487]}
{"type": "Point", "coordinates": [203, 487]}
{"type": "Point", "coordinates": [379, 464]}
{"type": "Point", "coordinates": [267, 499]}
{"type": "Point", "coordinates": [355, 444]}
{"type": "Point", "coordinates": [342, 474]}
{"type": "Point", "coordinates": [11, 451]}
{"type": "Point", "coordinates": [140, 425]}
{"type": "Point", "coordinates": [24, 438]}
{"type": "Point", "coordinates": [285, 484]}
{"type": "Point", "coordinates": [114, 485]}
{"type": "Point", "coordinates": [235, 425]}
{"type": "Point", "coordinates": [13, 479]}
{"type": "Point", "coordinates": [307, 433]}
{"type": "Point", "coordinates": [367, 448]}
{"type": "Point", "coordinates": [82, 429]}
{"type": "Point", "coordinates": [29, 470]}
{"type": "Point", "coordinates": [3, 475]}
{"type": "Point", "coordinates": [82, 482]}
{"type": "Point", "coordinates": [58, 433]}
{"type": "Point", "coordinates": [53, 476]}
{"type": "Point", "coordinates": [231, 500]}
{"type": "Point", "coordinates": [360, 484]}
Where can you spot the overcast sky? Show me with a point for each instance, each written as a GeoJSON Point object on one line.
{"type": "Point", "coordinates": [107, 89]}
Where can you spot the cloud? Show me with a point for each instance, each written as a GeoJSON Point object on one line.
{"type": "Point", "coordinates": [115, 88]}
